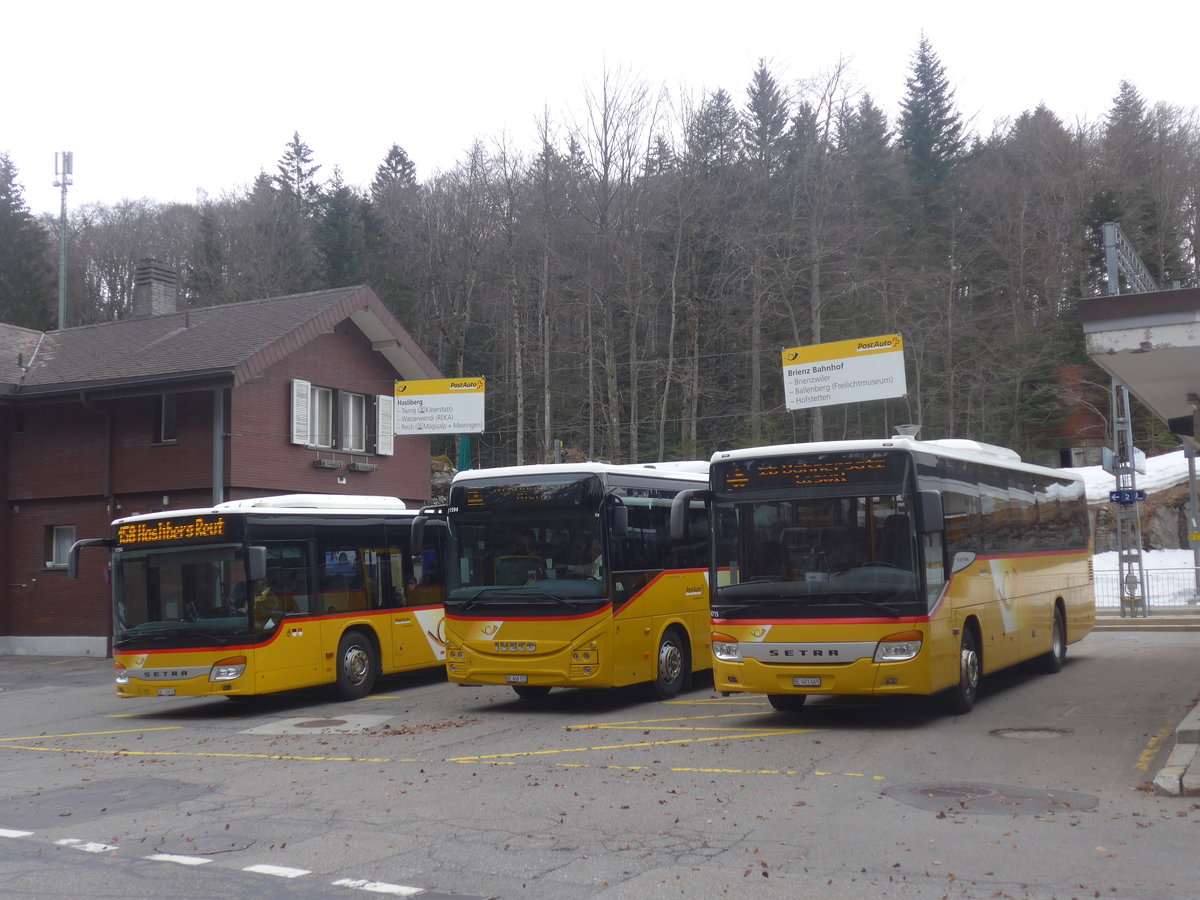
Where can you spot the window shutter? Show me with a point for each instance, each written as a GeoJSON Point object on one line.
{"type": "Point", "coordinates": [385, 429]}
{"type": "Point", "coordinates": [300, 413]}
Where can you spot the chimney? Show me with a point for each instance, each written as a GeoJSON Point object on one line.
{"type": "Point", "coordinates": [155, 289]}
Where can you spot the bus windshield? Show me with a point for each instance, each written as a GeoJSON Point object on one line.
{"type": "Point", "coordinates": [817, 557]}
{"type": "Point", "coordinates": [528, 545]}
{"type": "Point", "coordinates": [180, 597]}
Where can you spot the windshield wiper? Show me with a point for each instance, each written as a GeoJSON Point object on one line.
{"type": "Point", "coordinates": [840, 599]}
{"type": "Point", "coordinates": [509, 595]}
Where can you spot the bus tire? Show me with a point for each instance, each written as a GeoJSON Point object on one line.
{"type": "Point", "coordinates": [356, 665]}
{"type": "Point", "coordinates": [1053, 660]}
{"type": "Point", "coordinates": [960, 699]}
{"type": "Point", "coordinates": [531, 691]}
{"type": "Point", "coordinates": [671, 665]}
{"type": "Point", "coordinates": [787, 702]}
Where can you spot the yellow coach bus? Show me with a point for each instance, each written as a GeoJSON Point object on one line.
{"type": "Point", "coordinates": [565, 575]}
{"type": "Point", "coordinates": [891, 567]}
{"type": "Point", "coordinates": [271, 594]}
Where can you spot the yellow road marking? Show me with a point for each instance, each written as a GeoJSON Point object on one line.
{"type": "Point", "coordinates": [1153, 745]}
{"type": "Point", "coordinates": [46, 737]}
{"type": "Point", "coordinates": [525, 753]}
{"type": "Point", "coordinates": [731, 733]}
{"type": "Point", "coordinates": [740, 715]}
{"type": "Point", "coordinates": [211, 755]}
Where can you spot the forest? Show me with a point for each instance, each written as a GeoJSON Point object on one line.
{"type": "Point", "coordinates": [626, 287]}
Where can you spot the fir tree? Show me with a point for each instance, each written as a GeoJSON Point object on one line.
{"type": "Point", "coordinates": [764, 120]}
{"type": "Point", "coordinates": [340, 236]}
{"type": "Point", "coordinates": [297, 177]}
{"type": "Point", "coordinates": [27, 287]}
{"type": "Point", "coordinates": [396, 169]}
{"type": "Point", "coordinates": [206, 275]}
{"type": "Point", "coordinates": [713, 136]}
{"type": "Point", "coordinates": [931, 130]}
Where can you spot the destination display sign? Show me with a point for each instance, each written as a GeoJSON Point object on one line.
{"type": "Point", "coordinates": [844, 372]}
{"type": "Point", "coordinates": [171, 530]}
{"type": "Point", "coordinates": [439, 406]}
{"type": "Point", "coordinates": [520, 493]}
{"type": "Point", "coordinates": [869, 470]}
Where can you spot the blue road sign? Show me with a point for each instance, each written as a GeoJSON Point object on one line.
{"type": "Point", "coordinates": [1126, 496]}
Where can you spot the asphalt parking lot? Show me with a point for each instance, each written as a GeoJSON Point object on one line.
{"type": "Point", "coordinates": [1046, 789]}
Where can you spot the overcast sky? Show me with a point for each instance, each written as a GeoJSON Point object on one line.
{"type": "Point", "coordinates": [164, 99]}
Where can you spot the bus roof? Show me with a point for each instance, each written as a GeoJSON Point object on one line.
{"type": "Point", "coordinates": [293, 504]}
{"type": "Point", "coordinates": [950, 448]}
{"type": "Point", "coordinates": [691, 470]}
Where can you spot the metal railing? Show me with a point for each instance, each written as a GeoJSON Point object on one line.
{"type": "Point", "coordinates": [1165, 589]}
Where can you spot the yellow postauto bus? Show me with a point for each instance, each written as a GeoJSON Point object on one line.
{"type": "Point", "coordinates": [566, 575]}
{"type": "Point", "coordinates": [891, 567]}
{"type": "Point", "coordinates": [270, 594]}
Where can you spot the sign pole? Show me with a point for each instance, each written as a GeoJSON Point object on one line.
{"type": "Point", "coordinates": [464, 452]}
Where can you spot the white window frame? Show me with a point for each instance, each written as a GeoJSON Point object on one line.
{"type": "Point", "coordinates": [350, 425]}
{"type": "Point", "coordinates": [320, 417]}
{"type": "Point", "coordinates": [62, 538]}
{"type": "Point", "coordinates": [352, 422]}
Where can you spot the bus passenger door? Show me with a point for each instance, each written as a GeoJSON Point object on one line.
{"type": "Point", "coordinates": [418, 626]}
{"type": "Point", "coordinates": [283, 608]}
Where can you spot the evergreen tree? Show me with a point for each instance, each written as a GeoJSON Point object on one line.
{"type": "Point", "coordinates": [27, 287]}
{"type": "Point", "coordinates": [713, 135]}
{"type": "Point", "coordinates": [205, 281]}
{"type": "Point", "coordinates": [297, 178]}
{"type": "Point", "coordinates": [931, 130]}
{"type": "Point", "coordinates": [764, 121]}
{"type": "Point", "coordinates": [1139, 155]}
{"type": "Point", "coordinates": [396, 169]}
{"type": "Point", "coordinates": [340, 237]}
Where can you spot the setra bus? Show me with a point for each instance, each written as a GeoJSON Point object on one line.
{"type": "Point", "coordinates": [891, 567]}
{"type": "Point", "coordinates": [566, 575]}
{"type": "Point", "coordinates": [270, 594]}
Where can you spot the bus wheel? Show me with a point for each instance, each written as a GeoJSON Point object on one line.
{"type": "Point", "coordinates": [1052, 661]}
{"type": "Point", "coordinates": [787, 702]}
{"type": "Point", "coordinates": [960, 699]}
{"type": "Point", "coordinates": [356, 666]}
{"type": "Point", "coordinates": [672, 665]}
{"type": "Point", "coordinates": [531, 691]}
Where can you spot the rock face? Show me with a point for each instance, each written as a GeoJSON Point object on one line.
{"type": "Point", "coordinates": [441, 473]}
{"type": "Point", "coordinates": [1164, 518]}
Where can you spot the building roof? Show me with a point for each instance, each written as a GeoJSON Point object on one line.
{"type": "Point", "coordinates": [235, 341]}
{"type": "Point", "coordinates": [1150, 342]}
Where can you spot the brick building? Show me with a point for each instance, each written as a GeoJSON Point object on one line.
{"type": "Point", "coordinates": [179, 409]}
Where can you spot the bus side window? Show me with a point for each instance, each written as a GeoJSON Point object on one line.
{"type": "Point", "coordinates": [287, 576]}
{"type": "Point", "coordinates": [429, 589]}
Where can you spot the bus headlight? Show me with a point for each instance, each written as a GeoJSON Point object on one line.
{"type": "Point", "coordinates": [122, 673]}
{"type": "Point", "coordinates": [229, 669]}
{"type": "Point", "coordinates": [899, 647]}
{"type": "Point", "coordinates": [726, 648]}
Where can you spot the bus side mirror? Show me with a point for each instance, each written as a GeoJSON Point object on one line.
{"type": "Point", "coordinates": [256, 561]}
{"type": "Point", "coordinates": [680, 505]}
{"type": "Point", "coordinates": [930, 518]}
{"type": "Point", "coordinates": [619, 521]}
{"type": "Point", "coordinates": [416, 535]}
{"type": "Point", "coordinates": [73, 553]}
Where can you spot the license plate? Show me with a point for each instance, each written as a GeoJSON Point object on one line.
{"type": "Point", "coordinates": [517, 679]}
{"type": "Point", "coordinates": [166, 692]}
{"type": "Point", "coordinates": [806, 682]}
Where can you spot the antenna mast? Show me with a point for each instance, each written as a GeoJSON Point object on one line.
{"type": "Point", "coordinates": [64, 167]}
